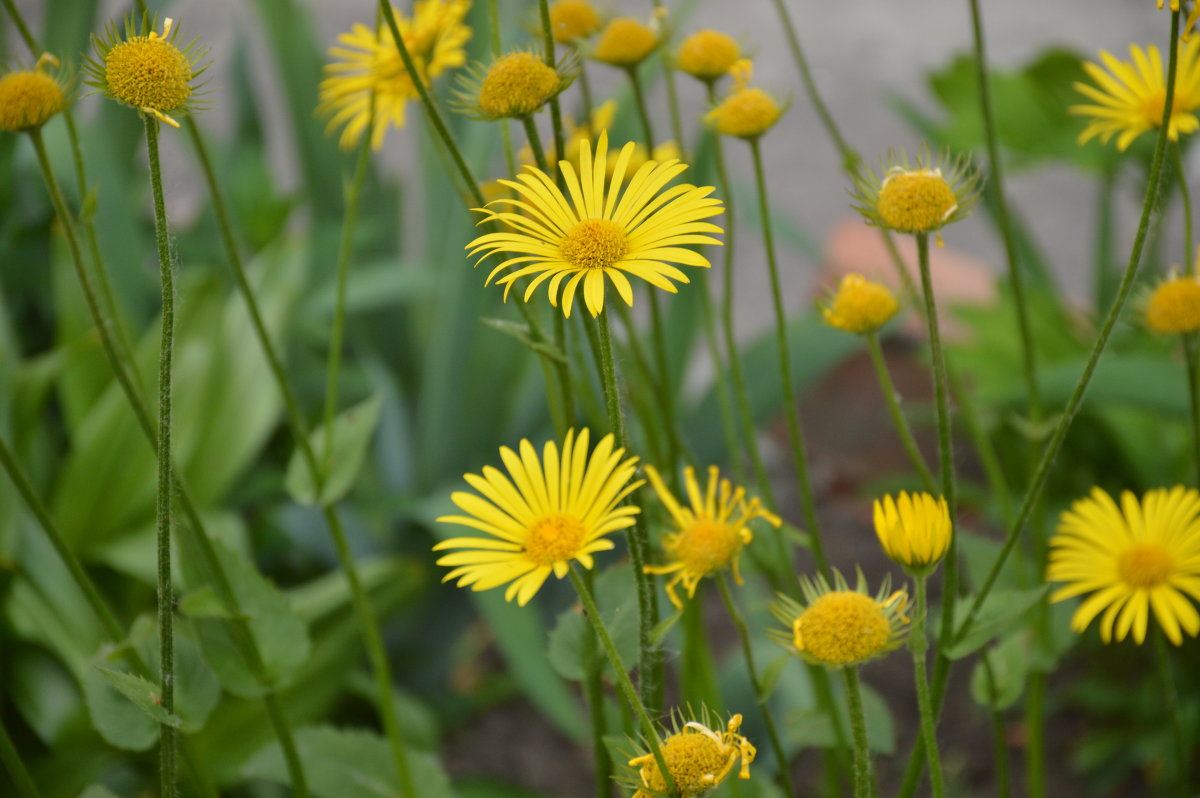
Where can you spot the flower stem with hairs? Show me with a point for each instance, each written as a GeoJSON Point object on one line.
{"type": "Point", "coordinates": [864, 780]}
{"type": "Point", "coordinates": [918, 643]}
{"type": "Point", "coordinates": [898, 420]}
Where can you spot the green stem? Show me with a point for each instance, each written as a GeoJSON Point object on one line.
{"type": "Point", "coordinates": [999, 743]}
{"type": "Point", "coordinates": [26, 786]}
{"type": "Point", "coordinates": [496, 47]}
{"type": "Point", "coordinates": [1102, 278]}
{"type": "Point", "coordinates": [22, 28]}
{"type": "Point", "coordinates": [585, 89]}
{"type": "Point", "coordinates": [555, 106]}
{"type": "Point", "coordinates": [741, 397]}
{"type": "Point", "coordinates": [535, 143]}
{"type": "Point", "coordinates": [631, 695]}
{"type": "Point", "coordinates": [593, 689]}
{"type": "Point", "coordinates": [898, 421]}
{"type": "Point", "coordinates": [166, 597]}
{"type": "Point", "coordinates": [1170, 693]}
{"type": "Point", "coordinates": [1191, 356]}
{"type": "Point", "coordinates": [563, 370]}
{"type": "Point", "coordinates": [996, 179]}
{"type": "Point", "coordinates": [1035, 747]}
{"type": "Point", "coordinates": [345, 250]}
{"type": "Point", "coordinates": [1185, 195]}
{"type": "Point", "coordinates": [635, 536]}
{"type": "Point", "coordinates": [1052, 446]}
{"type": "Point", "coordinates": [864, 780]}
{"type": "Point", "coordinates": [918, 643]}
{"type": "Point", "coordinates": [791, 404]}
{"type": "Point", "coordinates": [735, 615]}
{"type": "Point", "coordinates": [720, 384]}
{"type": "Point", "coordinates": [643, 112]}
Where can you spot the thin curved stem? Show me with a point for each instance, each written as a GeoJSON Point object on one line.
{"type": "Point", "coordinates": [1185, 196]}
{"type": "Point", "coordinates": [720, 385]}
{"type": "Point", "coordinates": [168, 739]}
{"type": "Point", "coordinates": [11, 758]}
{"type": "Point", "coordinates": [864, 779]}
{"type": "Point", "coordinates": [890, 396]}
{"type": "Point", "coordinates": [556, 121]}
{"type": "Point", "coordinates": [791, 404]}
{"type": "Point", "coordinates": [918, 643]}
{"type": "Point", "coordinates": [735, 615]}
{"type": "Point", "coordinates": [593, 689]}
{"type": "Point", "coordinates": [1170, 691]}
{"type": "Point", "coordinates": [1191, 357]}
{"type": "Point", "coordinates": [627, 689]}
{"type": "Point", "coordinates": [999, 744]}
{"type": "Point", "coordinates": [639, 100]}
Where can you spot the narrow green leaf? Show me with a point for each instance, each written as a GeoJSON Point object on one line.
{"type": "Point", "coordinates": [522, 333]}
{"type": "Point", "coordinates": [352, 434]}
{"type": "Point", "coordinates": [145, 695]}
{"type": "Point", "coordinates": [1001, 611]}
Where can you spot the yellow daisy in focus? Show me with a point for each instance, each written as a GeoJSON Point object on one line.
{"type": "Point", "coordinates": [916, 198]}
{"type": "Point", "coordinates": [545, 513]}
{"type": "Point", "coordinates": [1174, 305]}
{"type": "Point", "coordinates": [513, 85]}
{"type": "Point", "coordinates": [1129, 101]}
{"type": "Point", "coordinates": [697, 757]}
{"type": "Point", "coordinates": [608, 228]}
{"type": "Point", "coordinates": [1133, 558]}
{"type": "Point", "coordinates": [710, 534]}
{"type": "Point", "coordinates": [145, 70]}
{"type": "Point", "coordinates": [1191, 20]}
{"type": "Point", "coordinates": [860, 306]}
{"type": "Point", "coordinates": [914, 530]}
{"type": "Point", "coordinates": [368, 62]}
{"type": "Point", "coordinates": [840, 627]}
{"type": "Point", "coordinates": [29, 97]}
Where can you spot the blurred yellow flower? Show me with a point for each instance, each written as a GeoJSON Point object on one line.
{"type": "Point", "coordinates": [625, 42]}
{"type": "Point", "coordinates": [746, 112]}
{"type": "Point", "coordinates": [710, 534]}
{"type": "Point", "coordinates": [1191, 20]}
{"type": "Point", "coordinates": [698, 759]}
{"type": "Point", "coordinates": [708, 55]}
{"type": "Point", "coordinates": [608, 228]}
{"type": "Point", "coordinates": [572, 20]}
{"type": "Point", "coordinates": [1174, 306]}
{"type": "Point", "coordinates": [144, 70]}
{"type": "Point", "coordinates": [860, 306]}
{"type": "Point", "coordinates": [915, 531]}
{"type": "Point", "coordinates": [29, 97]}
{"type": "Point", "coordinates": [1133, 559]}
{"type": "Point", "coordinates": [368, 62]}
{"type": "Point", "coordinates": [1129, 101]}
{"type": "Point", "coordinates": [546, 513]}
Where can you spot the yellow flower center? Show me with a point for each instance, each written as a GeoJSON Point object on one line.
{"type": "Point", "coordinates": [1145, 566]}
{"type": "Point", "coordinates": [28, 99]}
{"type": "Point", "coordinates": [553, 538]}
{"type": "Point", "coordinates": [860, 305]}
{"type": "Point", "coordinates": [707, 545]}
{"type": "Point", "coordinates": [1174, 306]}
{"type": "Point", "coordinates": [842, 628]}
{"type": "Point", "coordinates": [148, 72]}
{"type": "Point", "coordinates": [708, 54]}
{"type": "Point", "coordinates": [695, 761]}
{"type": "Point", "coordinates": [573, 19]}
{"type": "Point", "coordinates": [747, 114]}
{"type": "Point", "coordinates": [517, 85]}
{"type": "Point", "coordinates": [594, 244]}
{"type": "Point", "coordinates": [916, 201]}
{"type": "Point", "coordinates": [625, 42]}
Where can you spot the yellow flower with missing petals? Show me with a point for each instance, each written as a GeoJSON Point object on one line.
{"type": "Point", "coordinates": [545, 514]}
{"type": "Point", "coordinates": [572, 20]}
{"type": "Point", "coordinates": [1133, 559]}
{"type": "Point", "coordinates": [1129, 101]}
{"type": "Point", "coordinates": [860, 306]}
{"type": "Point", "coordinates": [1174, 306]}
{"type": "Point", "coordinates": [916, 198]}
{"type": "Point", "coordinates": [915, 531]}
{"type": "Point", "coordinates": [1191, 20]}
{"type": "Point", "coordinates": [747, 112]}
{"type": "Point", "coordinates": [513, 85]}
{"type": "Point", "coordinates": [367, 62]}
{"type": "Point", "coordinates": [709, 535]}
{"type": "Point", "coordinates": [144, 70]}
{"type": "Point", "coordinates": [839, 627]}
{"type": "Point", "coordinates": [697, 757]}
{"type": "Point", "coordinates": [625, 42]}
{"type": "Point", "coordinates": [608, 228]}
{"type": "Point", "coordinates": [708, 54]}
{"type": "Point", "coordinates": [29, 97]}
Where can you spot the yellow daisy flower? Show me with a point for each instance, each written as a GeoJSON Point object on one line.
{"type": "Point", "coordinates": [1191, 20]}
{"type": "Point", "coordinates": [709, 535]}
{"type": "Point", "coordinates": [1174, 306]}
{"type": "Point", "coordinates": [860, 306]}
{"type": "Point", "coordinates": [144, 70]}
{"type": "Point", "coordinates": [513, 85]}
{"type": "Point", "coordinates": [368, 62]}
{"type": "Point", "coordinates": [626, 42]}
{"type": "Point", "coordinates": [916, 198]}
{"type": "Point", "coordinates": [697, 757]}
{"type": "Point", "coordinates": [29, 97]}
{"type": "Point", "coordinates": [914, 530]}
{"type": "Point", "coordinates": [708, 54]}
{"type": "Point", "coordinates": [747, 112]}
{"type": "Point", "coordinates": [607, 228]}
{"type": "Point", "coordinates": [1132, 558]}
{"type": "Point", "coordinates": [541, 516]}
{"type": "Point", "coordinates": [839, 627]}
{"type": "Point", "coordinates": [572, 20]}
{"type": "Point", "coordinates": [1129, 101]}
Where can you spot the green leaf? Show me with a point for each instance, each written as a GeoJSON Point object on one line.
{"type": "Point", "coordinates": [350, 763]}
{"type": "Point", "coordinates": [97, 791]}
{"type": "Point", "coordinates": [1010, 660]}
{"type": "Point", "coordinates": [771, 673]}
{"type": "Point", "coordinates": [281, 637]}
{"type": "Point", "coordinates": [522, 333]}
{"type": "Point", "coordinates": [197, 689]}
{"type": "Point", "coordinates": [352, 433]}
{"type": "Point", "coordinates": [1001, 611]}
{"type": "Point", "coordinates": [811, 728]}
{"type": "Point", "coordinates": [616, 596]}
{"type": "Point", "coordinates": [203, 603]}
{"type": "Point", "coordinates": [144, 694]}
{"type": "Point", "coordinates": [121, 723]}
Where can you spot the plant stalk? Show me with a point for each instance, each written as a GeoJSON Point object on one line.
{"type": "Point", "coordinates": [898, 420]}
{"type": "Point", "coordinates": [918, 643]}
{"type": "Point", "coordinates": [26, 786]}
{"type": "Point", "coordinates": [864, 779]}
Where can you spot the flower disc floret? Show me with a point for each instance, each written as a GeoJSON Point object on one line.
{"type": "Point", "coordinates": [572, 20]}
{"type": "Point", "coordinates": [625, 42]}
{"type": "Point", "coordinates": [914, 530]}
{"type": "Point", "coordinates": [860, 305]}
{"type": "Point", "coordinates": [517, 85]}
{"type": "Point", "coordinates": [747, 113]}
{"type": "Point", "coordinates": [544, 514]}
{"type": "Point", "coordinates": [1174, 306]}
{"type": "Point", "coordinates": [29, 97]}
{"type": "Point", "coordinates": [1134, 559]}
{"type": "Point", "coordinates": [698, 759]}
{"type": "Point", "coordinates": [709, 534]}
{"type": "Point", "coordinates": [708, 54]}
{"type": "Point", "coordinates": [918, 198]}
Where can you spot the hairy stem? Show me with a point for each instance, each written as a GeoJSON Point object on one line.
{"type": "Point", "coordinates": [898, 420]}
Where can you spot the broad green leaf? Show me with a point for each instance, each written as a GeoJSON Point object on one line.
{"type": "Point", "coordinates": [1001, 611]}
{"type": "Point", "coordinates": [197, 689]}
{"type": "Point", "coordinates": [352, 433]}
{"type": "Point", "coordinates": [281, 637]}
{"type": "Point", "coordinates": [616, 596]}
{"type": "Point", "coordinates": [119, 721]}
{"type": "Point", "coordinates": [143, 694]}
{"type": "Point", "coordinates": [811, 728]}
{"type": "Point", "coordinates": [1010, 660]}
{"type": "Point", "coordinates": [203, 603]}
{"type": "Point", "coordinates": [351, 763]}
